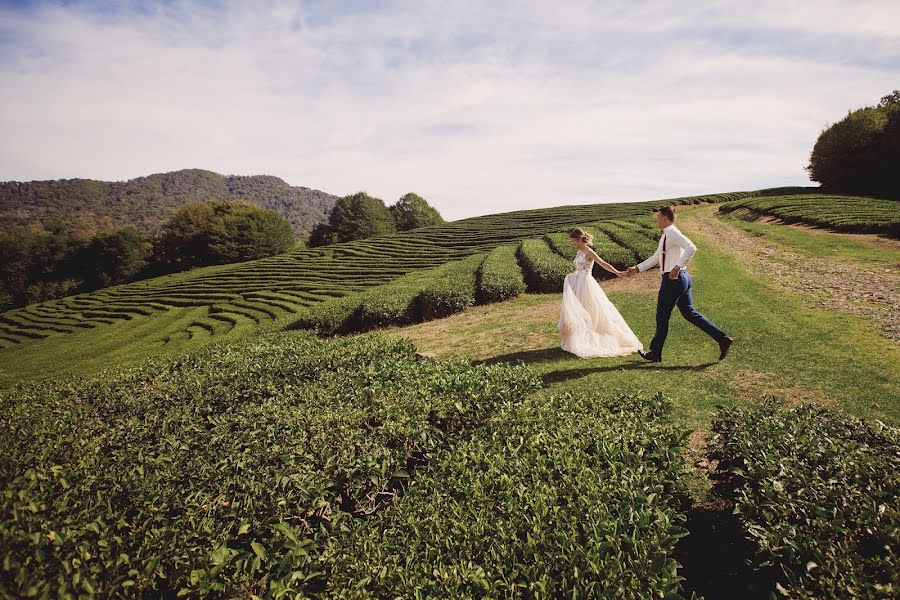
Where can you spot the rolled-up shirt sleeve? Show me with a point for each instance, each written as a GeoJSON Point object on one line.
{"type": "Point", "coordinates": [686, 245]}
{"type": "Point", "coordinates": [650, 262]}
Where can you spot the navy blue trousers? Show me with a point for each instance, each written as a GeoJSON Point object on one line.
{"type": "Point", "coordinates": [674, 293]}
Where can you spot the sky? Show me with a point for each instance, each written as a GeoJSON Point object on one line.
{"type": "Point", "coordinates": [478, 106]}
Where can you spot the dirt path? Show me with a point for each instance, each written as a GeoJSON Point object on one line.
{"type": "Point", "coordinates": [870, 291]}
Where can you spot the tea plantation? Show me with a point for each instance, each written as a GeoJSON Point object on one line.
{"type": "Point", "coordinates": [841, 213]}
{"type": "Point", "coordinates": [216, 301]}
{"type": "Point", "coordinates": [252, 455]}
{"type": "Point", "coordinates": [340, 468]}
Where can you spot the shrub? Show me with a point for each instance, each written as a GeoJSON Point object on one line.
{"type": "Point", "coordinates": [450, 290]}
{"type": "Point", "coordinates": [843, 213]}
{"type": "Point", "coordinates": [328, 318]}
{"type": "Point", "coordinates": [500, 276]}
{"type": "Point", "coordinates": [224, 472]}
{"type": "Point", "coordinates": [544, 270]}
{"type": "Point", "coordinates": [640, 243]}
{"type": "Point", "coordinates": [817, 493]}
{"type": "Point", "coordinates": [555, 497]}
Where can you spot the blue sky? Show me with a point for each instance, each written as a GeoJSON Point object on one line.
{"type": "Point", "coordinates": [480, 107]}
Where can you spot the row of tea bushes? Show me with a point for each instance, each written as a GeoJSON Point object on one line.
{"type": "Point", "coordinates": [417, 296]}
{"type": "Point", "coordinates": [555, 498]}
{"type": "Point", "coordinates": [225, 472]}
{"type": "Point", "coordinates": [816, 492]}
{"type": "Point", "coordinates": [616, 255]}
{"type": "Point", "coordinates": [636, 239]}
{"type": "Point", "coordinates": [545, 270]}
{"type": "Point", "coordinates": [500, 277]}
{"type": "Point", "coordinates": [853, 214]}
{"type": "Point", "coordinates": [287, 284]}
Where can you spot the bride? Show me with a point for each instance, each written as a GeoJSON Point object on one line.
{"type": "Point", "coordinates": [589, 325]}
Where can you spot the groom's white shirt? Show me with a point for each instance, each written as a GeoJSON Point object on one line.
{"type": "Point", "coordinates": [679, 250]}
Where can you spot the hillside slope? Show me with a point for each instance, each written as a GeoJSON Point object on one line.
{"type": "Point", "coordinates": [187, 310]}
{"type": "Point", "coordinates": [148, 202]}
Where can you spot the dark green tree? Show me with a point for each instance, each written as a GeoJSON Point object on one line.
{"type": "Point", "coordinates": [354, 217]}
{"type": "Point", "coordinates": [360, 216]}
{"type": "Point", "coordinates": [860, 154]}
{"type": "Point", "coordinates": [115, 257]}
{"type": "Point", "coordinates": [413, 211]}
{"type": "Point", "coordinates": [222, 231]}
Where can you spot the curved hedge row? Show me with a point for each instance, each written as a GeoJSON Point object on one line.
{"type": "Point", "coordinates": [553, 498]}
{"type": "Point", "coordinates": [451, 290]}
{"type": "Point", "coordinates": [544, 269]}
{"type": "Point", "coordinates": [616, 255]}
{"type": "Point", "coordinates": [816, 492]}
{"type": "Point", "coordinates": [227, 472]}
{"type": "Point", "coordinates": [418, 296]}
{"type": "Point", "coordinates": [500, 277]}
{"type": "Point", "coordinates": [638, 240]}
{"type": "Point", "coordinates": [286, 284]}
{"type": "Point", "coordinates": [842, 213]}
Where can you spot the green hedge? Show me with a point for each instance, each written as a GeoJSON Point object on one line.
{"type": "Point", "coordinates": [329, 318]}
{"type": "Point", "coordinates": [817, 494]}
{"type": "Point", "coordinates": [637, 241]}
{"type": "Point", "coordinates": [609, 250]}
{"type": "Point", "coordinates": [843, 213]}
{"type": "Point", "coordinates": [500, 276]}
{"type": "Point", "coordinates": [418, 296]}
{"type": "Point", "coordinates": [451, 290]}
{"type": "Point", "coordinates": [556, 497]}
{"type": "Point", "coordinates": [226, 472]}
{"type": "Point", "coordinates": [544, 269]}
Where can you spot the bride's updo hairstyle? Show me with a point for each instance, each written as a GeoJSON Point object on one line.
{"type": "Point", "coordinates": [580, 234]}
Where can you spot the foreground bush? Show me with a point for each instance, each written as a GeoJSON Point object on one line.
{"type": "Point", "coordinates": [556, 497]}
{"type": "Point", "coordinates": [500, 276]}
{"type": "Point", "coordinates": [225, 472]}
{"type": "Point", "coordinates": [817, 494]}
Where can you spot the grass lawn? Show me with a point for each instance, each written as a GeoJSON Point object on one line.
{"type": "Point", "coordinates": [784, 346]}
{"type": "Point", "coordinates": [861, 248]}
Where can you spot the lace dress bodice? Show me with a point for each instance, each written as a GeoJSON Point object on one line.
{"type": "Point", "coordinates": [583, 264]}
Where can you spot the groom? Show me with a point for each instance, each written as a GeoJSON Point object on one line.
{"type": "Point", "coordinates": [671, 255]}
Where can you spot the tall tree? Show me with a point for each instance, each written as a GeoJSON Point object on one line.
{"type": "Point", "coordinates": [354, 217]}
{"type": "Point", "coordinates": [860, 154]}
{"type": "Point", "coordinates": [413, 211]}
{"type": "Point", "coordinates": [222, 231]}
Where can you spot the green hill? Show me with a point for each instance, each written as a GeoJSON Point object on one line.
{"type": "Point", "coordinates": [249, 459]}
{"type": "Point", "coordinates": [188, 309]}
{"type": "Point", "coordinates": [148, 202]}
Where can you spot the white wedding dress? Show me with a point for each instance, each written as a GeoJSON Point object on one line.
{"type": "Point", "coordinates": [589, 324]}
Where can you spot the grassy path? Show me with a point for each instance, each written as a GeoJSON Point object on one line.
{"type": "Point", "coordinates": [786, 345]}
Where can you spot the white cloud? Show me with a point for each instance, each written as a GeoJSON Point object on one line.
{"type": "Point", "coordinates": [478, 108]}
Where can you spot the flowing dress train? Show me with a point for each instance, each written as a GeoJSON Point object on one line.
{"type": "Point", "coordinates": [589, 324]}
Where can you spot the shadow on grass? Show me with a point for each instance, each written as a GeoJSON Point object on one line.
{"type": "Point", "coordinates": [550, 354]}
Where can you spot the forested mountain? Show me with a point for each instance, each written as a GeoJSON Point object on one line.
{"type": "Point", "coordinates": [148, 202]}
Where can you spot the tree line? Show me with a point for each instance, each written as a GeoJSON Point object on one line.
{"type": "Point", "coordinates": [55, 257]}
{"type": "Point", "coordinates": [360, 215]}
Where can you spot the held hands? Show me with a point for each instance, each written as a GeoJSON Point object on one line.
{"type": "Point", "coordinates": [631, 271]}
